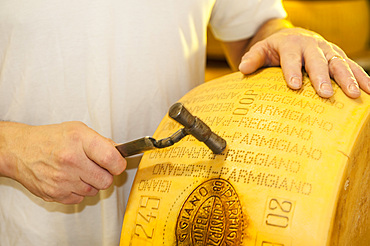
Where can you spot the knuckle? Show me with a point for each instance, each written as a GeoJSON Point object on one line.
{"type": "Point", "coordinates": [109, 157]}
{"type": "Point", "coordinates": [322, 43]}
{"type": "Point", "coordinates": [66, 157]}
{"type": "Point", "coordinates": [336, 66]}
{"type": "Point", "coordinates": [54, 194]}
{"type": "Point", "coordinates": [90, 190]}
{"type": "Point", "coordinates": [93, 192]}
{"type": "Point", "coordinates": [106, 182]}
{"type": "Point", "coordinates": [259, 45]}
{"type": "Point", "coordinates": [73, 199]}
{"type": "Point", "coordinates": [74, 135]}
{"type": "Point", "coordinates": [73, 130]}
{"type": "Point", "coordinates": [293, 39]}
{"type": "Point", "coordinates": [87, 189]}
{"type": "Point", "coordinates": [260, 48]}
{"type": "Point", "coordinates": [112, 161]}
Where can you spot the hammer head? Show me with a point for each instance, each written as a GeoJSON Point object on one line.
{"type": "Point", "coordinates": [196, 127]}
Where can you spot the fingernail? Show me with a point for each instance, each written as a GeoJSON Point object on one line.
{"type": "Point", "coordinates": [244, 60]}
{"type": "Point", "coordinates": [325, 89]}
{"type": "Point", "coordinates": [295, 82]}
{"type": "Point", "coordinates": [353, 88]}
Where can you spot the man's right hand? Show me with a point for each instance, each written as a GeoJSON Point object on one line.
{"type": "Point", "coordinates": [62, 162]}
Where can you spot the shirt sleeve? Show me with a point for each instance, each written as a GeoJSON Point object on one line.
{"type": "Point", "coordinates": [233, 20]}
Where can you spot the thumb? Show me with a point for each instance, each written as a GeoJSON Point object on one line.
{"type": "Point", "coordinates": [254, 59]}
{"type": "Point", "coordinates": [261, 54]}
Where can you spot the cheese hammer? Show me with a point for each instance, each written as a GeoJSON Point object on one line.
{"type": "Point", "coordinates": [192, 126]}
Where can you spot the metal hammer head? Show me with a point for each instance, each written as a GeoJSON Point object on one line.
{"type": "Point", "coordinates": [196, 127]}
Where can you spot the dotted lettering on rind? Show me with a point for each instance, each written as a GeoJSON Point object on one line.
{"type": "Point", "coordinates": [211, 215]}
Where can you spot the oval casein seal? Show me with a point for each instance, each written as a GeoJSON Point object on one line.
{"type": "Point", "coordinates": [211, 215]}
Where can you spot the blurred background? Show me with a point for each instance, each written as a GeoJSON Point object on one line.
{"type": "Point", "coordinates": [343, 22]}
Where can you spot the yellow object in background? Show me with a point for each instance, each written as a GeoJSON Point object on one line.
{"type": "Point", "coordinates": [295, 172]}
{"type": "Point", "coordinates": [344, 22]}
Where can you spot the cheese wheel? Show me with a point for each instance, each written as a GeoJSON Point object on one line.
{"type": "Point", "coordinates": [295, 171]}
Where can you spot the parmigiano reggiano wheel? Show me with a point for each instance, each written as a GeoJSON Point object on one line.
{"type": "Point", "coordinates": [295, 171]}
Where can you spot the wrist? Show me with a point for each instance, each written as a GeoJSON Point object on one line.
{"type": "Point", "coordinates": [268, 28]}
{"type": "Point", "coordinates": [10, 135]}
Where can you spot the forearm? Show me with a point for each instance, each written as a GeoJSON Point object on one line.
{"type": "Point", "coordinates": [236, 49]}
{"type": "Point", "coordinates": [10, 134]}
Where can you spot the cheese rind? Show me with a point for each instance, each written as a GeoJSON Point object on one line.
{"type": "Point", "coordinates": [293, 159]}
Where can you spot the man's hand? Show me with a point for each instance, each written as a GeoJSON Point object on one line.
{"type": "Point", "coordinates": [278, 44]}
{"type": "Point", "coordinates": [295, 47]}
{"type": "Point", "coordinates": [62, 163]}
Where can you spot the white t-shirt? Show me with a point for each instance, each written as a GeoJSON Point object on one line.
{"type": "Point", "coordinates": [116, 66]}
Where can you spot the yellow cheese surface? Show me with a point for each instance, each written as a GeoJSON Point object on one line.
{"type": "Point", "coordinates": [295, 171]}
